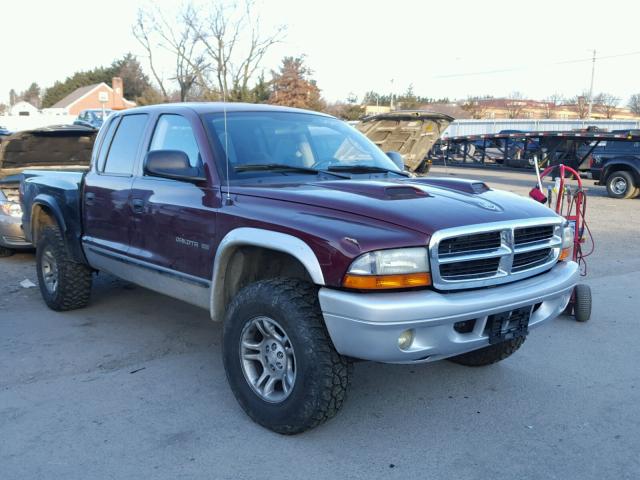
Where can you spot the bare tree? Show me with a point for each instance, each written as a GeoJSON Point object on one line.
{"type": "Point", "coordinates": [141, 30]}
{"type": "Point", "coordinates": [515, 105]}
{"type": "Point", "coordinates": [180, 39]}
{"type": "Point", "coordinates": [551, 103]}
{"type": "Point", "coordinates": [216, 50]}
{"type": "Point", "coordinates": [606, 104]}
{"type": "Point", "coordinates": [580, 104]}
{"type": "Point", "coordinates": [634, 104]}
{"type": "Point", "coordinates": [234, 45]}
{"type": "Point", "coordinates": [476, 107]}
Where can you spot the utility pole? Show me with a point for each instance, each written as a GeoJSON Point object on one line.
{"type": "Point", "coordinates": [391, 105]}
{"type": "Point", "coordinates": [593, 72]}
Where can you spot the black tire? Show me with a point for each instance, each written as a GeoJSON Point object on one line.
{"type": "Point", "coordinates": [424, 167]}
{"type": "Point", "coordinates": [6, 252]}
{"type": "Point", "coordinates": [582, 303]}
{"type": "Point", "coordinates": [73, 287]}
{"type": "Point", "coordinates": [321, 374]}
{"type": "Point", "coordinates": [620, 184]}
{"type": "Point", "coordinates": [488, 355]}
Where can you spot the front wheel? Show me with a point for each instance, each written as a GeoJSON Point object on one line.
{"type": "Point", "coordinates": [620, 184]}
{"type": "Point", "coordinates": [278, 357]}
{"type": "Point", "coordinates": [488, 355]}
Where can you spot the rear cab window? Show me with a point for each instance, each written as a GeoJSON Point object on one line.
{"type": "Point", "coordinates": [124, 148]}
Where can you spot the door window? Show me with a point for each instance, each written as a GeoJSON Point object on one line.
{"type": "Point", "coordinates": [174, 132]}
{"type": "Point", "coordinates": [124, 148]}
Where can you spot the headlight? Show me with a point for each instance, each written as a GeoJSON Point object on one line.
{"type": "Point", "coordinates": [384, 269]}
{"type": "Point", "coordinates": [12, 209]}
{"type": "Point", "coordinates": [568, 234]}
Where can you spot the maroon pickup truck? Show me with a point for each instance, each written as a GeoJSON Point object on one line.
{"type": "Point", "coordinates": [311, 245]}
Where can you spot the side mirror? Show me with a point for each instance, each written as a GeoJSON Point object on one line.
{"type": "Point", "coordinates": [172, 164]}
{"type": "Point", "coordinates": [396, 157]}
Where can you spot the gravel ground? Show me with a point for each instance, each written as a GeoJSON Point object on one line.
{"type": "Point", "coordinates": [134, 386]}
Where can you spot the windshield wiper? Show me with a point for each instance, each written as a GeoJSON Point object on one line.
{"type": "Point", "coordinates": [281, 167]}
{"type": "Point", "coordinates": [365, 169]}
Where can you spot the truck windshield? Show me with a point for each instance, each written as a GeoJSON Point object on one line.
{"type": "Point", "coordinates": [298, 140]}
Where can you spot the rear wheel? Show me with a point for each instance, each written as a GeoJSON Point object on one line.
{"type": "Point", "coordinates": [5, 252]}
{"type": "Point", "coordinates": [279, 360]}
{"type": "Point", "coordinates": [620, 184]}
{"type": "Point", "coordinates": [64, 284]}
{"type": "Point", "coordinates": [488, 355]}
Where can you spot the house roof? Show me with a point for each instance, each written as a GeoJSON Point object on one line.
{"type": "Point", "coordinates": [76, 95]}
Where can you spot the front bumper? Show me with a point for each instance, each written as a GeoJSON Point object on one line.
{"type": "Point", "coordinates": [11, 234]}
{"type": "Point", "coordinates": [367, 325]}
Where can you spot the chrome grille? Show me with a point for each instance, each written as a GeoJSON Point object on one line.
{"type": "Point", "coordinates": [469, 243]}
{"type": "Point", "coordinates": [532, 234]}
{"type": "Point", "coordinates": [522, 261]}
{"type": "Point", "coordinates": [494, 253]}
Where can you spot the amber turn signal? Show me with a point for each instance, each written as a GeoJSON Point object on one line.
{"type": "Point", "coordinates": [564, 254]}
{"type": "Point", "coordinates": [383, 282]}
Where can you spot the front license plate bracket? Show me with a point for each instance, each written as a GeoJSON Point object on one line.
{"type": "Point", "coordinates": [508, 325]}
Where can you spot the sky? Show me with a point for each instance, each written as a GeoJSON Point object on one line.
{"type": "Point", "coordinates": [444, 49]}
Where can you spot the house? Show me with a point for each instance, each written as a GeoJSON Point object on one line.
{"type": "Point", "coordinates": [23, 109]}
{"type": "Point", "coordinates": [95, 96]}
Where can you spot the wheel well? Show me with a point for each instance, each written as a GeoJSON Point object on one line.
{"type": "Point", "coordinates": [249, 264]}
{"type": "Point", "coordinates": [40, 218]}
{"type": "Point", "coordinates": [625, 168]}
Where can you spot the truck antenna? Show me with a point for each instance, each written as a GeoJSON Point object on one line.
{"type": "Point", "coordinates": [227, 199]}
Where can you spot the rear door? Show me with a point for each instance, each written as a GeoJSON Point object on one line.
{"type": "Point", "coordinates": [107, 213]}
{"type": "Point", "coordinates": [174, 220]}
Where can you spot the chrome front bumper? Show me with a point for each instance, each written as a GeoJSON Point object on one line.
{"type": "Point", "coordinates": [367, 325]}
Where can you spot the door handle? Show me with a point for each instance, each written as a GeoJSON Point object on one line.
{"type": "Point", "coordinates": [137, 205]}
{"type": "Point", "coordinates": [89, 198]}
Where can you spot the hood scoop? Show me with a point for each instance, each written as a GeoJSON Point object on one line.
{"type": "Point", "coordinates": [377, 190]}
{"type": "Point", "coordinates": [473, 187]}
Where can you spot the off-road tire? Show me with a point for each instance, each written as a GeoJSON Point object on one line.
{"type": "Point", "coordinates": [613, 177]}
{"type": "Point", "coordinates": [74, 279]}
{"type": "Point", "coordinates": [582, 303]}
{"type": "Point", "coordinates": [5, 252]}
{"type": "Point", "coordinates": [322, 375]}
{"type": "Point", "coordinates": [488, 355]}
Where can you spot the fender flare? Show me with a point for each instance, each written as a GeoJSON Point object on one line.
{"type": "Point", "coordinates": [44, 200]}
{"type": "Point", "coordinates": [257, 237]}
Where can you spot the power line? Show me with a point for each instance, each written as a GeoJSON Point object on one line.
{"type": "Point", "coordinates": [524, 68]}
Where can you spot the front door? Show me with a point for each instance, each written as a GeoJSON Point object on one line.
{"type": "Point", "coordinates": [174, 225]}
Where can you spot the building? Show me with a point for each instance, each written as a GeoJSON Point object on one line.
{"type": "Point", "coordinates": [23, 109]}
{"type": "Point", "coordinates": [508, 108]}
{"type": "Point", "coordinates": [98, 95]}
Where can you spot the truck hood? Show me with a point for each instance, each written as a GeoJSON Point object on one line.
{"type": "Point", "coordinates": [412, 133]}
{"type": "Point", "coordinates": [424, 205]}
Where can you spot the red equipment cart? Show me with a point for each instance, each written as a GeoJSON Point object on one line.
{"type": "Point", "coordinates": [571, 203]}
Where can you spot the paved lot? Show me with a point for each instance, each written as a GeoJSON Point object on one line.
{"type": "Point", "coordinates": [133, 386]}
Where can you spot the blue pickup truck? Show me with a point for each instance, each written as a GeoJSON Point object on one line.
{"type": "Point", "coordinates": [616, 165]}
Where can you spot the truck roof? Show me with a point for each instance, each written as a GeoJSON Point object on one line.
{"type": "Point", "coordinates": [218, 107]}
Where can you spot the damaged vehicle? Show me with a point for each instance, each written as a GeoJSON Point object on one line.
{"type": "Point", "coordinates": [59, 148]}
{"type": "Point", "coordinates": [411, 133]}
